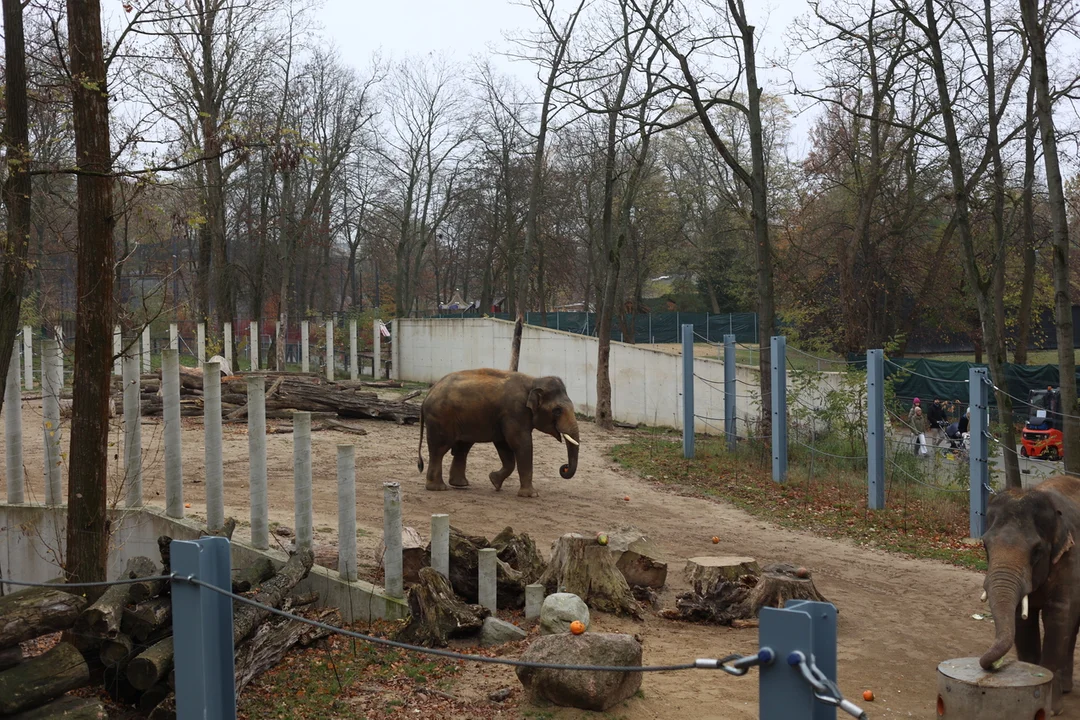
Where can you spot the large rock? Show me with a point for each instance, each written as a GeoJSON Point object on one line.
{"type": "Point", "coordinates": [636, 558]}
{"type": "Point", "coordinates": [498, 632]}
{"type": "Point", "coordinates": [596, 691]}
{"type": "Point", "coordinates": [561, 609]}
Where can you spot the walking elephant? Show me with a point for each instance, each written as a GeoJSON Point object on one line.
{"type": "Point", "coordinates": [500, 407]}
{"type": "Point", "coordinates": [1033, 573]}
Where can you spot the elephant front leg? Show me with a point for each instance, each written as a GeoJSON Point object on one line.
{"type": "Point", "coordinates": [1057, 641]}
{"type": "Point", "coordinates": [507, 456]}
{"type": "Point", "coordinates": [1028, 644]}
{"type": "Point", "coordinates": [524, 454]}
{"type": "Point", "coordinates": [460, 451]}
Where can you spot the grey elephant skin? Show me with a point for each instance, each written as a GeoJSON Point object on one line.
{"type": "Point", "coordinates": [499, 407]}
{"type": "Point", "coordinates": [1033, 574]}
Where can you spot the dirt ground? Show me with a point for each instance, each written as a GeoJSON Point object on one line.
{"type": "Point", "coordinates": [898, 617]}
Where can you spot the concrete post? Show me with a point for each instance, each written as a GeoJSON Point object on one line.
{"type": "Point", "coordinates": [534, 600]}
{"type": "Point", "coordinates": [305, 362]}
{"type": "Point", "coordinates": [52, 380]}
{"type": "Point", "coordinates": [354, 358]}
{"type": "Point", "coordinates": [392, 569]}
{"type": "Point", "coordinates": [279, 342]}
{"type": "Point", "coordinates": [174, 464]}
{"type": "Point", "coordinates": [256, 422]}
{"type": "Point", "coordinates": [346, 477]}
{"type": "Point", "coordinates": [215, 471]}
{"type": "Point", "coordinates": [978, 453]}
{"type": "Point", "coordinates": [731, 418]}
{"type": "Point", "coordinates": [330, 349]}
{"type": "Point", "coordinates": [487, 587]}
{"type": "Point", "coordinates": [118, 351]}
{"type": "Point", "coordinates": [302, 480]}
{"type": "Point", "coordinates": [440, 544]}
{"type": "Point", "coordinates": [875, 437]}
{"type": "Point", "coordinates": [13, 432]}
{"type": "Point", "coordinates": [132, 431]}
{"type": "Point", "coordinates": [254, 328]}
{"type": "Point", "coordinates": [174, 337]}
{"type": "Point", "coordinates": [688, 391]}
{"type": "Point", "coordinates": [28, 357]}
{"type": "Point", "coordinates": [146, 349]}
{"type": "Point", "coordinates": [376, 350]}
{"type": "Point", "coordinates": [228, 345]}
{"type": "Point", "coordinates": [201, 343]}
{"type": "Point", "coordinates": [779, 408]}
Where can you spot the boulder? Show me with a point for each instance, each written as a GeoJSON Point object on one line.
{"type": "Point", "coordinates": [498, 632]}
{"type": "Point", "coordinates": [561, 609]}
{"type": "Point", "coordinates": [597, 691]}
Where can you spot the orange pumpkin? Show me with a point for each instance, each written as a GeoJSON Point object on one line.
{"type": "Point", "coordinates": [577, 627]}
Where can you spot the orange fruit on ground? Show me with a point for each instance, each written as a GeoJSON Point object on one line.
{"type": "Point", "coordinates": [577, 627]}
{"type": "Point", "coordinates": [868, 695]}
{"type": "Point", "coordinates": [715, 540]}
{"type": "Point", "coordinates": [802, 573]}
{"type": "Point", "coordinates": [187, 505]}
{"type": "Point", "coordinates": [627, 498]}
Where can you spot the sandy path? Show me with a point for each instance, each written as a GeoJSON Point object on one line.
{"type": "Point", "coordinates": [898, 617]}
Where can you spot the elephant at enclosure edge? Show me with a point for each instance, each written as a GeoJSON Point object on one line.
{"type": "Point", "coordinates": [500, 407]}
{"type": "Point", "coordinates": [1033, 573]}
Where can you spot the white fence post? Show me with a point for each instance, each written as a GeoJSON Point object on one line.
{"type": "Point", "coordinates": [302, 480]}
{"type": "Point", "coordinates": [170, 411]}
{"type": "Point", "coordinates": [346, 477]}
{"type": "Point", "coordinates": [354, 359]}
{"type": "Point", "coordinates": [486, 582]}
{"type": "Point", "coordinates": [13, 431]}
{"type": "Point", "coordinates": [254, 328]}
{"type": "Point", "coordinates": [392, 560]}
{"type": "Point", "coordinates": [330, 349]}
{"type": "Point", "coordinates": [28, 357]}
{"type": "Point", "coordinates": [132, 431]}
{"type": "Point", "coordinates": [305, 361]}
{"type": "Point", "coordinates": [146, 349]}
{"type": "Point", "coordinates": [376, 349]}
{"type": "Point", "coordinates": [174, 337]}
{"type": "Point", "coordinates": [228, 345]}
{"type": "Point", "coordinates": [440, 544]}
{"type": "Point", "coordinates": [256, 422]}
{"type": "Point", "coordinates": [52, 382]}
{"type": "Point", "coordinates": [215, 472]}
{"type": "Point", "coordinates": [201, 344]}
{"type": "Point", "coordinates": [118, 351]}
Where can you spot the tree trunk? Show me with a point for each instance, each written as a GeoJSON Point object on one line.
{"type": "Point", "coordinates": [251, 576]}
{"type": "Point", "coordinates": [42, 678]}
{"type": "Point", "coordinates": [266, 648]}
{"type": "Point", "coordinates": [16, 138]}
{"type": "Point", "coordinates": [87, 520]}
{"type": "Point", "coordinates": [68, 708]}
{"type": "Point", "coordinates": [34, 612]}
{"type": "Point", "coordinates": [1027, 283]}
{"type": "Point", "coordinates": [436, 614]}
{"type": "Point", "coordinates": [1060, 224]}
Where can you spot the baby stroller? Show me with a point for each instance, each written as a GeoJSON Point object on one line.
{"type": "Point", "coordinates": [959, 442]}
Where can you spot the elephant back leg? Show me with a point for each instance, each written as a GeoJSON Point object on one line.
{"type": "Point", "coordinates": [507, 456]}
{"type": "Point", "coordinates": [438, 446]}
{"type": "Point", "coordinates": [460, 452]}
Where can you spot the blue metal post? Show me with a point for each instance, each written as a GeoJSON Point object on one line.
{"type": "Point", "coordinates": [688, 391]}
{"type": "Point", "coordinates": [800, 626]}
{"type": "Point", "coordinates": [779, 408]}
{"type": "Point", "coordinates": [978, 494]}
{"type": "Point", "coordinates": [875, 438]}
{"type": "Point", "coordinates": [730, 426]}
{"type": "Point", "coordinates": [203, 652]}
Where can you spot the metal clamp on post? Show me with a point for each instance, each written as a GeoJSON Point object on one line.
{"type": "Point", "coordinates": [738, 665]}
{"type": "Point", "coordinates": [825, 690]}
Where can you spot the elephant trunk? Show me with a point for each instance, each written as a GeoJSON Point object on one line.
{"type": "Point", "coordinates": [572, 439]}
{"type": "Point", "coordinates": [1005, 590]}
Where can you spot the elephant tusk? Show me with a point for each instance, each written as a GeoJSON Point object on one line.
{"type": "Point", "coordinates": [1024, 608]}
{"type": "Point", "coordinates": [572, 441]}
{"type": "Point", "coordinates": [983, 598]}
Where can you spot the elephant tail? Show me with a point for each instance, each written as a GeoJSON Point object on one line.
{"type": "Point", "coordinates": [420, 446]}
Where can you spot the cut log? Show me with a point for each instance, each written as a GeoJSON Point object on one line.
{"type": "Point", "coordinates": [704, 572]}
{"type": "Point", "coordinates": [37, 611]}
{"type": "Point", "coordinates": [464, 567]}
{"type": "Point", "coordinates": [737, 593]}
{"type": "Point", "coordinates": [272, 592]}
{"type": "Point", "coordinates": [152, 665]}
{"type": "Point", "coordinates": [116, 650]}
{"type": "Point", "coordinates": [265, 649]}
{"type": "Point", "coordinates": [118, 686]}
{"type": "Point", "coordinates": [147, 589]}
{"type": "Point", "coordinates": [778, 584]}
{"type": "Point", "coordinates": [143, 620]}
{"type": "Point", "coordinates": [40, 679]}
{"type": "Point", "coordinates": [166, 709]}
{"type": "Point", "coordinates": [10, 657]}
{"type": "Point", "coordinates": [245, 578]}
{"type": "Point", "coordinates": [103, 617]}
{"type": "Point", "coordinates": [68, 708]}
{"type": "Point", "coordinates": [414, 554]}
{"type": "Point", "coordinates": [152, 698]}
{"type": "Point", "coordinates": [585, 568]}
{"type": "Point", "coordinates": [436, 614]}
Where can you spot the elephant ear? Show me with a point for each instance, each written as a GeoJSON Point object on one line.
{"type": "Point", "coordinates": [536, 396]}
{"type": "Point", "coordinates": [1062, 547]}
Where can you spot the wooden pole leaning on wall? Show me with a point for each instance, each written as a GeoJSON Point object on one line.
{"type": "Point", "coordinates": [515, 344]}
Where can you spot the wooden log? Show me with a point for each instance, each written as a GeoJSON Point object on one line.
{"type": "Point", "coordinates": [704, 572]}
{"type": "Point", "coordinates": [34, 612]}
{"type": "Point", "coordinates": [40, 679]}
{"type": "Point", "coordinates": [147, 589]}
{"type": "Point", "coordinates": [166, 709]}
{"type": "Point", "coordinates": [67, 708]}
{"type": "Point", "coordinates": [1016, 690]}
{"type": "Point", "coordinates": [152, 698]}
{"type": "Point", "coordinates": [103, 617]}
{"type": "Point", "coordinates": [116, 649]}
{"type": "Point", "coordinates": [436, 614]}
{"type": "Point", "coordinates": [118, 686]}
{"type": "Point", "coordinates": [272, 592]}
{"type": "Point", "coordinates": [10, 657]}
{"type": "Point", "coordinates": [152, 665]}
{"type": "Point", "coordinates": [143, 620]}
{"type": "Point", "coordinates": [226, 531]}
{"type": "Point", "coordinates": [245, 578]}
{"type": "Point", "coordinates": [414, 554]}
{"type": "Point", "coordinates": [265, 649]}
{"type": "Point", "coordinates": [585, 568]}
{"type": "Point", "coordinates": [520, 553]}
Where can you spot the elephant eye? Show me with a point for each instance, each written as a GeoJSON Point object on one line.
{"type": "Point", "coordinates": [557, 411]}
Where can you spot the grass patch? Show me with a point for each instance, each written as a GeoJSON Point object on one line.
{"type": "Point", "coordinates": [826, 498]}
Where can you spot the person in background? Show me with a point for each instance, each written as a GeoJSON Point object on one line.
{"type": "Point", "coordinates": [918, 424]}
{"type": "Point", "coordinates": [937, 419]}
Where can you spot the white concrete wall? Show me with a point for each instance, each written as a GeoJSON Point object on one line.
{"type": "Point", "coordinates": [646, 384]}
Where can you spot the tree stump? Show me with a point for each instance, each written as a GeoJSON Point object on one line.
{"type": "Point", "coordinates": [705, 572]}
{"type": "Point", "coordinates": [587, 569]}
{"type": "Point", "coordinates": [729, 591]}
{"type": "Point", "coordinates": [40, 679]}
{"type": "Point", "coordinates": [1016, 690]}
{"type": "Point", "coordinates": [414, 554]}
{"type": "Point", "coordinates": [436, 614]}
{"type": "Point", "coordinates": [510, 580]}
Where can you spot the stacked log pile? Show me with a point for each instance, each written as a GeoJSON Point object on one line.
{"type": "Point", "coordinates": [122, 642]}
{"type": "Point", "coordinates": [286, 393]}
